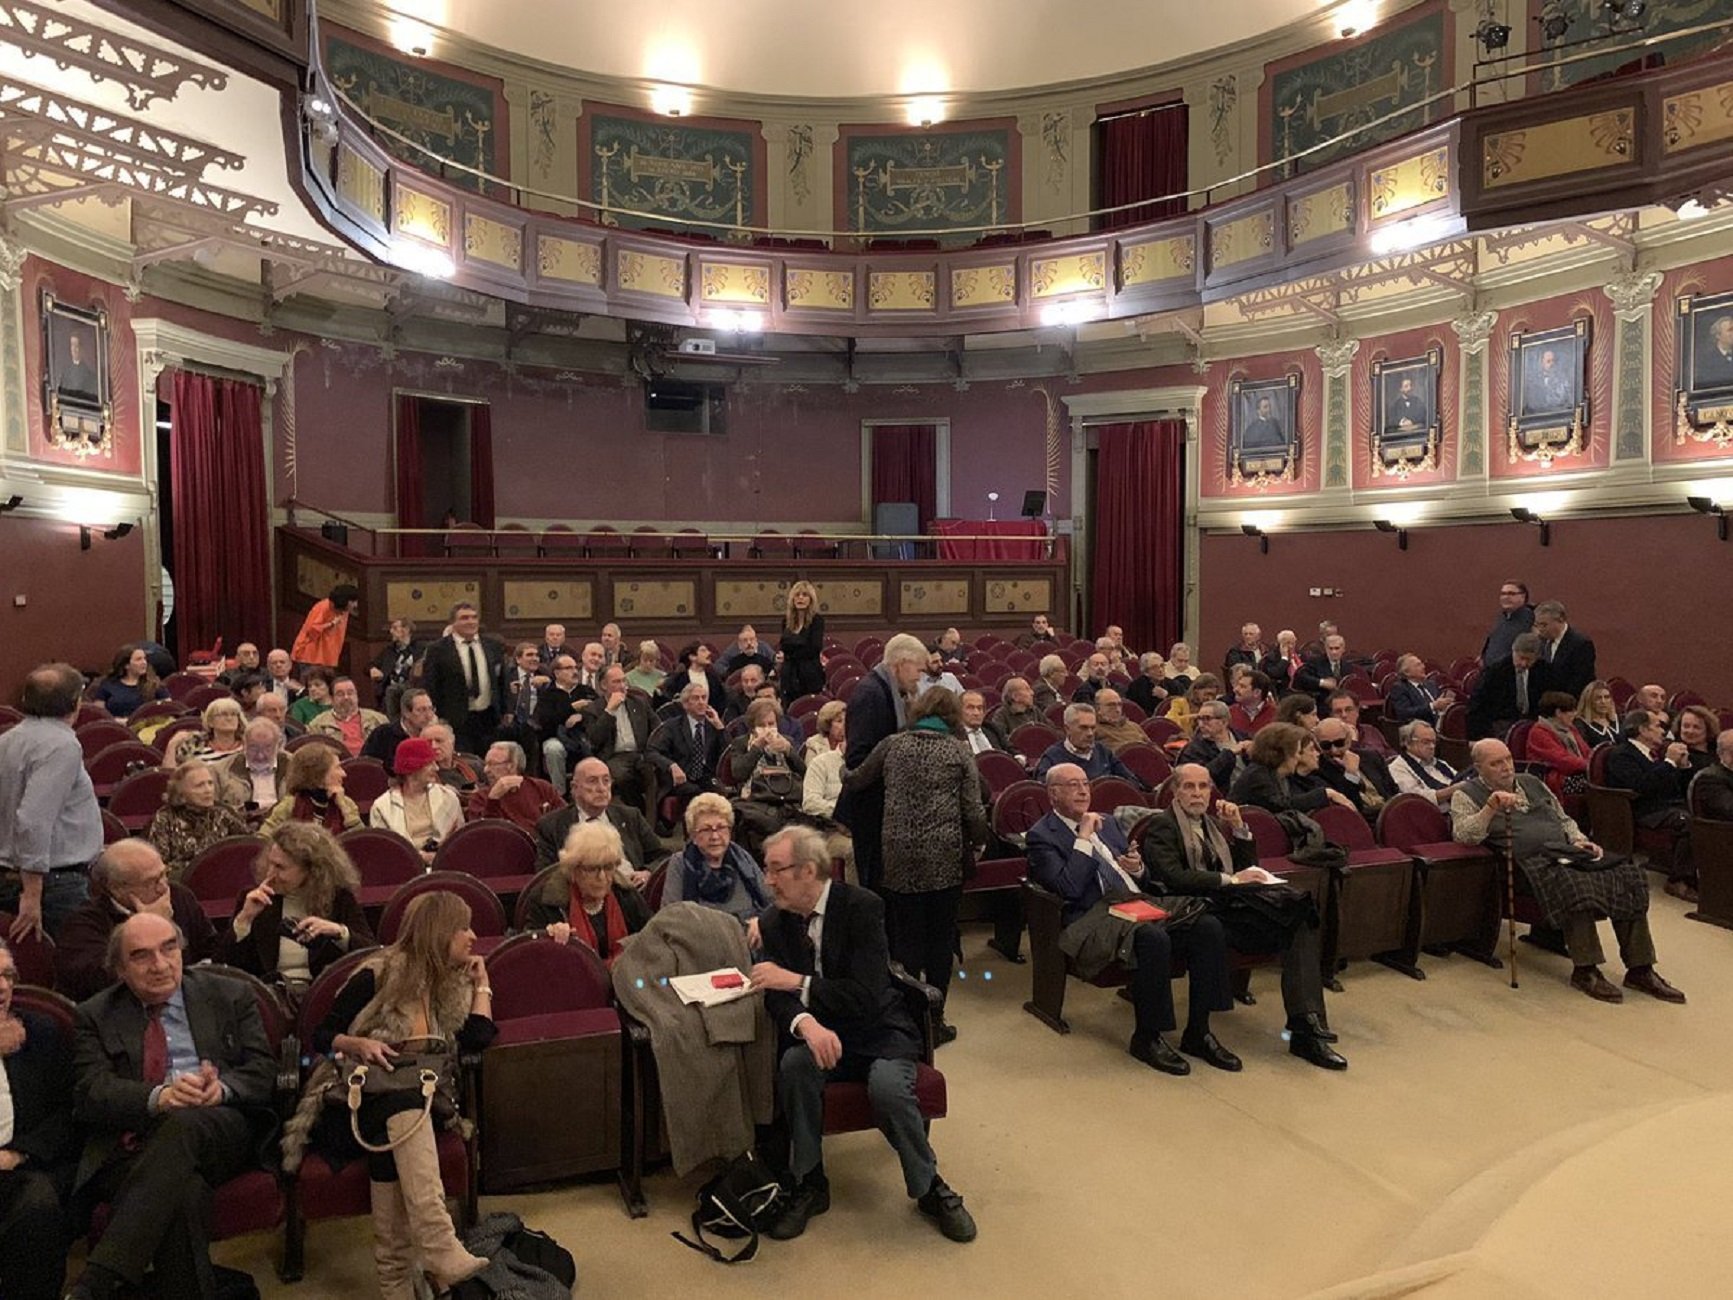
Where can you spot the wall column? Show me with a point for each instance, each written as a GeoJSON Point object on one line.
{"type": "Point", "coordinates": [1473, 330]}
{"type": "Point", "coordinates": [1632, 296]}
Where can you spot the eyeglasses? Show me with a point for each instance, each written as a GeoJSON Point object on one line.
{"type": "Point", "coordinates": [9, 974]}
{"type": "Point", "coordinates": [1333, 744]}
{"type": "Point", "coordinates": [602, 870]}
{"type": "Point", "coordinates": [715, 828]}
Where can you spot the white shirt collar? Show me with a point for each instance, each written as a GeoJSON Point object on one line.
{"type": "Point", "coordinates": [818, 908]}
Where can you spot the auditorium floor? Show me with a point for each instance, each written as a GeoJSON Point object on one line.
{"type": "Point", "coordinates": [1485, 1141]}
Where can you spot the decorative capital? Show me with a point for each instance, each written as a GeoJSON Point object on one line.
{"type": "Point", "coordinates": [1474, 330]}
{"type": "Point", "coordinates": [1337, 356]}
{"type": "Point", "coordinates": [1632, 293]}
{"type": "Point", "coordinates": [11, 263]}
{"type": "Point", "coordinates": [132, 290]}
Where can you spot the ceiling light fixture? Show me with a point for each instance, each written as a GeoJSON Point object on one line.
{"type": "Point", "coordinates": [11, 503]}
{"type": "Point", "coordinates": [1406, 236]}
{"type": "Point", "coordinates": [1075, 312]}
{"type": "Point", "coordinates": [1523, 515]}
{"type": "Point", "coordinates": [1355, 17]}
{"type": "Point", "coordinates": [1708, 506]}
{"type": "Point", "coordinates": [410, 35]}
{"type": "Point", "coordinates": [737, 322]}
{"type": "Point", "coordinates": [1691, 209]}
{"type": "Point", "coordinates": [670, 100]}
{"type": "Point", "coordinates": [1492, 35]}
{"type": "Point", "coordinates": [925, 110]}
{"type": "Point", "coordinates": [422, 259]}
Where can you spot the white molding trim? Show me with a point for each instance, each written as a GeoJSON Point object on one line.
{"type": "Point", "coordinates": [1123, 403]}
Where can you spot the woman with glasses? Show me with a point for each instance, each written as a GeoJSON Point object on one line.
{"type": "Point", "coordinates": [713, 869]}
{"type": "Point", "coordinates": [582, 900]}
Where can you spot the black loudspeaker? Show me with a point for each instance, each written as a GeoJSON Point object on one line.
{"type": "Point", "coordinates": [332, 531]}
{"type": "Point", "coordinates": [1034, 503]}
{"type": "Point", "coordinates": [895, 517]}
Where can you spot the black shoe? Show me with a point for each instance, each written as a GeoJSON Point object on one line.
{"type": "Point", "coordinates": [1208, 1049]}
{"type": "Point", "coordinates": [945, 1208]}
{"type": "Point", "coordinates": [945, 1033]}
{"type": "Point", "coordinates": [1155, 1053]}
{"type": "Point", "coordinates": [810, 1198]}
{"type": "Point", "coordinates": [1312, 1023]}
{"type": "Point", "coordinates": [1316, 1051]}
{"type": "Point", "coordinates": [1246, 999]}
{"type": "Point", "coordinates": [1010, 954]}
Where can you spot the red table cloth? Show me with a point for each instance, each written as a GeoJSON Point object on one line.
{"type": "Point", "coordinates": [1001, 539]}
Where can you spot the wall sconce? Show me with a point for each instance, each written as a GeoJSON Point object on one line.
{"type": "Point", "coordinates": [1252, 530]}
{"type": "Point", "coordinates": [1523, 515]}
{"type": "Point", "coordinates": [992, 504]}
{"type": "Point", "coordinates": [1389, 526]}
{"type": "Point", "coordinates": [11, 503]}
{"type": "Point", "coordinates": [112, 534]}
{"type": "Point", "coordinates": [1707, 506]}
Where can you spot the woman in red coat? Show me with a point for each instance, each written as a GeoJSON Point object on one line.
{"type": "Point", "coordinates": [1554, 740]}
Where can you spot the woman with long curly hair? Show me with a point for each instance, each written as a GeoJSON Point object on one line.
{"type": "Point", "coordinates": [302, 915]}
{"type": "Point", "coordinates": [130, 684]}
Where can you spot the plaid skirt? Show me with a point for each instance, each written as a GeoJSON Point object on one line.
{"type": "Point", "coordinates": [1620, 891]}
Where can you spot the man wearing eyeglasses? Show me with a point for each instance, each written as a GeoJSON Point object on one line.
{"type": "Point", "coordinates": [38, 1146]}
{"type": "Point", "coordinates": [1515, 616]}
{"type": "Point", "coordinates": [127, 878]}
{"type": "Point", "coordinates": [1342, 770]}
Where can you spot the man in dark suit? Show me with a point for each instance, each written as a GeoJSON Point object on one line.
{"type": "Point", "coordinates": [827, 985]}
{"type": "Point", "coordinates": [1510, 691]}
{"type": "Point", "coordinates": [1413, 697]}
{"type": "Point", "coordinates": [1213, 745]}
{"type": "Point", "coordinates": [752, 680]}
{"type": "Point", "coordinates": [174, 1082]}
{"type": "Point", "coordinates": [128, 877]}
{"type": "Point", "coordinates": [1658, 772]}
{"type": "Point", "coordinates": [1714, 364]}
{"type": "Point", "coordinates": [1515, 616]}
{"type": "Point", "coordinates": [617, 725]}
{"type": "Point", "coordinates": [1250, 651]}
{"type": "Point", "coordinates": [1323, 673]}
{"type": "Point", "coordinates": [525, 680]}
{"type": "Point", "coordinates": [979, 733]}
{"type": "Point", "coordinates": [592, 800]}
{"type": "Point", "coordinates": [1346, 772]}
{"type": "Point", "coordinates": [1711, 790]}
{"type": "Point", "coordinates": [875, 711]}
{"type": "Point", "coordinates": [687, 748]}
{"type": "Point", "coordinates": [38, 1147]}
{"type": "Point", "coordinates": [1187, 851]}
{"type": "Point", "coordinates": [1082, 748]}
{"type": "Point", "coordinates": [463, 673]}
{"type": "Point", "coordinates": [1569, 656]}
{"type": "Point", "coordinates": [559, 720]}
{"type": "Point", "coordinates": [1407, 410]}
{"type": "Point", "coordinates": [414, 712]}
{"type": "Point", "coordinates": [1084, 858]}
{"type": "Point", "coordinates": [1263, 431]}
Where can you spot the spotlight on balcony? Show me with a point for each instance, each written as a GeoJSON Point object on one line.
{"type": "Point", "coordinates": [1492, 36]}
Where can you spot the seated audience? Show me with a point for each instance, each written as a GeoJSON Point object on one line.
{"type": "Point", "coordinates": [320, 640]}
{"type": "Point", "coordinates": [712, 869]}
{"type": "Point", "coordinates": [1323, 673]}
{"type": "Point", "coordinates": [613, 649]}
{"type": "Point", "coordinates": [1555, 741]}
{"type": "Point", "coordinates": [1658, 771]}
{"type": "Point", "coordinates": [830, 729]}
{"type": "Point", "coordinates": [247, 664]}
{"type": "Point", "coordinates": [1092, 678]}
{"type": "Point", "coordinates": [1181, 676]}
{"type": "Point", "coordinates": [280, 677]}
{"type": "Point", "coordinates": [1519, 816]}
{"type": "Point", "coordinates": [1253, 707]}
{"type": "Point", "coordinates": [980, 733]}
{"type": "Point", "coordinates": [617, 725]}
{"type": "Point", "coordinates": [429, 983]}
{"type": "Point", "coordinates": [1298, 709]}
{"type": "Point", "coordinates": [131, 682]}
{"type": "Point", "coordinates": [762, 750]}
{"type": "Point", "coordinates": [1347, 772]}
{"type": "Point", "coordinates": [1213, 746]}
{"type": "Point", "coordinates": [747, 648]}
{"type": "Point", "coordinates": [505, 792]}
{"type": "Point", "coordinates": [1249, 652]}
{"type": "Point", "coordinates": [828, 987]}
{"type": "Point", "coordinates": [951, 648]}
{"type": "Point", "coordinates": [687, 748]}
{"type": "Point", "coordinates": [1712, 788]}
{"type": "Point", "coordinates": [302, 915]}
{"type": "Point", "coordinates": [1016, 708]}
{"type": "Point", "coordinates": [224, 730]}
{"type": "Point", "coordinates": [1050, 683]}
{"type": "Point", "coordinates": [1412, 696]}
{"type": "Point", "coordinates": [1419, 770]}
{"type": "Point", "coordinates": [1651, 697]}
{"type": "Point", "coordinates": [1182, 707]}
{"type": "Point", "coordinates": [192, 818]}
{"type": "Point", "coordinates": [1187, 853]}
{"type": "Point", "coordinates": [693, 664]}
{"type": "Point", "coordinates": [128, 877]}
{"type": "Point", "coordinates": [174, 1088]}
{"type": "Point", "coordinates": [584, 899]}
{"type": "Point", "coordinates": [1083, 857]}
{"type": "Point", "coordinates": [394, 666]}
{"type": "Point", "coordinates": [1147, 691]}
{"type": "Point", "coordinates": [313, 792]}
{"type": "Point", "coordinates": [1082, 748]}
{"type": "Point", "coordinates": [592, 793]}
{"type": "Point", "coordinates": [553, 644]}
{"type": "Point", "coordinates": [1040, 631]}
{"type": "Point", "coordinates": [1598, 715]}
{"type": "Point", "coordinates": [559, 720]}
{"type": "Point", "coordinates": [455, 772]}
{"type": "Point", "coordinates": [274, 710]}
{"type": "Point", "coordinates": [937, 673]}
{"type": "Point", "coordinates": [1284, 662]}
{"type": "Point", "coordinates": [1367, 740]}
{"type": "Point", "coordinates": [821, 787]}
{"type": "Point", "coordinates": [647, 675]}
{"type": "Point", "coordinates": [1509, 690]}
{"type": "Point", "coordinates": [1281, 756]}
{"type": "Point", "coordinates": [249, 689]}
{"type": "Point", "coordinates": [1695, 729]}
{"type": "Point", "coordinates": [525, 679]}
{"type": "Point", "coordinates": [414, 712]}
{"type": "Point", "coordinates": [417, 806]}
{"type": "Point", "coordinates": [257, 776]}
{"type": "Point", "coordinates": [1112, 727]}
{"type": "Point", "coordinates": [39, 1147]}
{"type": "Point", "coordinates": [315, 695]}
{"type": "Point", "coordinates": [346, 721]}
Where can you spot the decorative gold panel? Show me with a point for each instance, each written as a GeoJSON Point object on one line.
{"type": "Point", "coordinates": [360, 183]}
{"type": "Point", "coordinates": [1020, 596]}
{"type": "Point", "coordinates": [423, 216]}
{"type": "Point", "coordinates": [315, 578]}
{"type": "Point", "coordinates": [549, 598]}
{"type": "Point", "coordinates": [768, 597]}
{"type": "Point", "coordinates": [1324, 212]}
{"type": "Point", "coordinates": [1241, 239]}
{"type": "Point", "coordinates": [864, 596]}
{"type": "Point", "coordinates": [1697, 117]}
{"type": "Point", "coordinates": [984, 286]}
{"type": "Point", "coordinates": [732, 282]}
{"type": "Point", "coordinates": [820, 290]}
{"type": "Point", "coordinates": [902, 290]}
{"type": "Point", "coordinates": [652, 273]}
{"type": "Point", "coordinates": [1576, 144]}
{"type": "Point", "coordinates": [663, 598]}
{"type": "Point", "coordinates": [429, 601]}
{"type": "Point", "coordinates": [1051, 277]}
{"type": "Point", "coordinates": [1411, 183]}
{"type": "Point", "coordinates": [935, 597]}
{"type": "Point", "coordinates": [487, 240]}
{"type": "Point", "coordinates": [1158, 260]}
{"type": "Point", "coordinates": [571, 260]}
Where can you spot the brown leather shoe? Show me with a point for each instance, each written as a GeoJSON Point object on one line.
{"type": "Point", "coordinates": [1644, 979]}
{"type": "Point", "coordinates": [1590, 980]}
{"type": "Point", "coordinates": [1683, 890]}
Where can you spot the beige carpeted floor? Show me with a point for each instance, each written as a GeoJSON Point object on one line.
{"type": "Point", "coordinates": [1484, 1142]}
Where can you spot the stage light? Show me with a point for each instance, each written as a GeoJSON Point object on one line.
{"type": "Point", "coordinates": [1492, 36]}
{"type": "Point", "coordinates": [1252, 530]}
{"type": "Point", "coordinates": [1707, 506]}
{"type": "Point", "coordinates": [1555, 20]}
{"type": "Point", "coordinates": [1391, 526]}
{"type": "Point", "coordinates": [1523, 515]}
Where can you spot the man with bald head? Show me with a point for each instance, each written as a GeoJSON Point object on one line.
{"type": "Point", "coordinates": [1189, 852]}
{"type": "Point", "coordinates": [593, 800]}
{"type": "Point", "coordinates": [1083, 857]}
{"type": "Point", "coordinates": [127, 879]}
{"type": "Point", "coordinates": [1651, 697]}
{"type": "Point", "coordinates": [1518, 815]}
{"type": "Point", "coordinates": [173, 1083]}
{"type": "Point", "coordinates": [1712, 788]}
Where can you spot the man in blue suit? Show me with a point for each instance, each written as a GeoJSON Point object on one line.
{"type": "Point", "coordinates": [1084, 858]}
{"type": "Point", "coordinates": [1082, 748]}
{"type": "Point", "coordinates": [1413, 697]}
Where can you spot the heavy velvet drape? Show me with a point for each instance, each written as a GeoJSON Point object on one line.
{"type": "Point", "coordinates": [409, 493]}
{"type": "Point", "coordinates": [222, 525]}
{"type": "Point", "coordinates": [1137, 577]}
{"type": "Point", "coordinates": [905, 467]}
{"type": "Point", "coordinates": [481, 466]}
{"type": "Point", "coordinates": [1140, 156]}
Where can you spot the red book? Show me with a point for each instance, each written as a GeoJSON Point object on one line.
{"type": "Point", "coordinates": [733, 979]}
{"type": "Point", "coordinates": [1137, 910]}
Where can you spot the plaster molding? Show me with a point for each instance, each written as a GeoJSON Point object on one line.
{"type": "Point", "coordinates": [1632, 293]}
{"type": "Point", "coordinates": [1179, 400]}
{"type": "Point", "coordinates": [1337, 356]}
{"type": "Point", "coordinates": [1474, 330]}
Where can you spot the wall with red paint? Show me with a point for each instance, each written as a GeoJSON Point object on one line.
{"type": "Point", "coordinates": [80, 606]}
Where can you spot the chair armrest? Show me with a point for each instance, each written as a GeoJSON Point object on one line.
{"type": "Point", "coordinates": [924, 1003]}
{"type": "Point", "coordinates": [288, 1086]}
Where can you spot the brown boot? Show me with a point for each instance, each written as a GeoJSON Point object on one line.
{"type": "Point", "coordinates": [442, 1254]}
{"type": "Point", "coordinates": [393, 1248]}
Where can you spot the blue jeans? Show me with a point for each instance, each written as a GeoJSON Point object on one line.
{"type": "Point", "coordinates": [63, 892]}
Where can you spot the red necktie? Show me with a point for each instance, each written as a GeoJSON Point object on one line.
{"type": "Point", "coordinates": [155, 1064]}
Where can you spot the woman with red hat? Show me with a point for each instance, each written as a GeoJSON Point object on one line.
{"type": "Point", "coordinates": [417, 806]}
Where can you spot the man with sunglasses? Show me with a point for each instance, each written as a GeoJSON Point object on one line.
{"type": "Point", "coordinates": [1343, 771]}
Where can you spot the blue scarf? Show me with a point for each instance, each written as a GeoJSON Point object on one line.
{"type": "Point", "coordinates": [714, 886]}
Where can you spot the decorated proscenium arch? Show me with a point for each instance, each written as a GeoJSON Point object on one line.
{"type": "Point", "coordinates": [892, 179]}
{"type": "Point", "coordinates": [1214, 472]}
{"type": "Point", "coordinates": [696, 169]}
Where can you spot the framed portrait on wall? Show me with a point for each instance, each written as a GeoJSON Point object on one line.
{"type": "Point", "coordinates": [1263, 432]}
{"type": "Point", "coordinates": [1548, 413]}
{"type": "Point", "coordinates": [1703, 397]}
{"type": "Point", "coordinates": [75, 378]}
{"type": "Point", "coordinates": [1405, 414]}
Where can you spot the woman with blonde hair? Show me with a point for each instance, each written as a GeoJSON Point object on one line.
{"type": "Point", "coordinates": [713, 869]}
{"type": "Point", "coordinates": [1598, 716]}
{"type": "Point", "coordinates": [821, 787]}
{"type": "Point", "coordinates": [225, 730]}
{"type": "Point", "coordinates": [582, 900]}
{"type": "Point", "coordinates": [315, 785]}
{"type": "Point", "coordinates": [802, 644]}
{"type": "Point", "coordinates": [302, 915]}
{"type": "Point", "coordinates": [648, 675]}
{"type": "Point", "coordinates": [429, 984]}
{"type": "Point", "coordinates": [192, 817]}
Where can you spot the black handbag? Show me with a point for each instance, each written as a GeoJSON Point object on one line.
{"type": "Point", "coordinates": [739, 1203]}
{"type": "Point", "coordinates": [431, 1073]}
{"type": "Point", "coordinates": [1564, 854]}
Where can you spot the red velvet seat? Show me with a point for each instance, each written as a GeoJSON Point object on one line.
{"type": "Point", "coordinates": [364, 780]}
{"type": "Point", "coordinates": [307, 739]}
{"type": "Point", "coordinates": [94, 737]}
{"type": "Point", "coordinates": [559, 541]}
{"type": "Point", "coordinates": [197, 699]}
{"type": "Point", "coordinates": [1459, 882]}
{"type": "Point", "coordinates": [847, 1108]}
{"type": "Point", "coordinates": [808, 704]}
{"type": "Point", "coordinates": [1148, 763]}
{"type": "Point", "coordinates": [163, 737]}
{"type": "Point", "coordinates": [221, 872]}
{"type": "Point", "coordinates": [180, 685]}
{"type": "Point", "coordinates": [491, 849]}
{"type": "Point", "coordinates": [1377, 900]}
{"type": "Point", "coordinates": [136, 799]}
{"type": "Point", "coordinates": [385, 860]}
{"type": "Point", "coordinates": [515, 542]}
{"type": "Point", "coordinates": [486, 912]}
{"type": "Point", "coordinates": [999, 770]}
{"type": "Point", "coordinates": [113, 829]}
{"type": "Point", "coordinates": [115, 762]}
{"type": "Point", "coordinates": [1033, 739]}
{"type": "Point", "coordinates": [1107, 793]}
{"type": "Point", "coordinates": [33, 954]}
{"type": "Point", "coordinates": [1162, 730]}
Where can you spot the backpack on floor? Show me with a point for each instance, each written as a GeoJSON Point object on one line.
{"type": "Point", "coordinates": [739, 1203]}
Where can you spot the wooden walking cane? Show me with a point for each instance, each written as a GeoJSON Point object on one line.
{"type": "Point", "coordinates": [1510, 889]}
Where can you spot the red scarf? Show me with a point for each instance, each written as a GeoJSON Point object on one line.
{"type": "Point", "coordinates": [331, 818]}
{"type": "Point", "coordinates": [583, 926]}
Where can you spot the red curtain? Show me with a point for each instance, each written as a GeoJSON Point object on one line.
{"type": "Point", "coordinates": [1137, 577]}
{"type": "Point", "coordinates": [222, 523]}
{"type": "Point", "coordinates": [905, 467]}
{"type": "Point", "coordinates": [409, 499]}
{"type": "Point", "coordinates": [481, 465]}
{"type": "Point", "coordinates": [1140, 156]}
